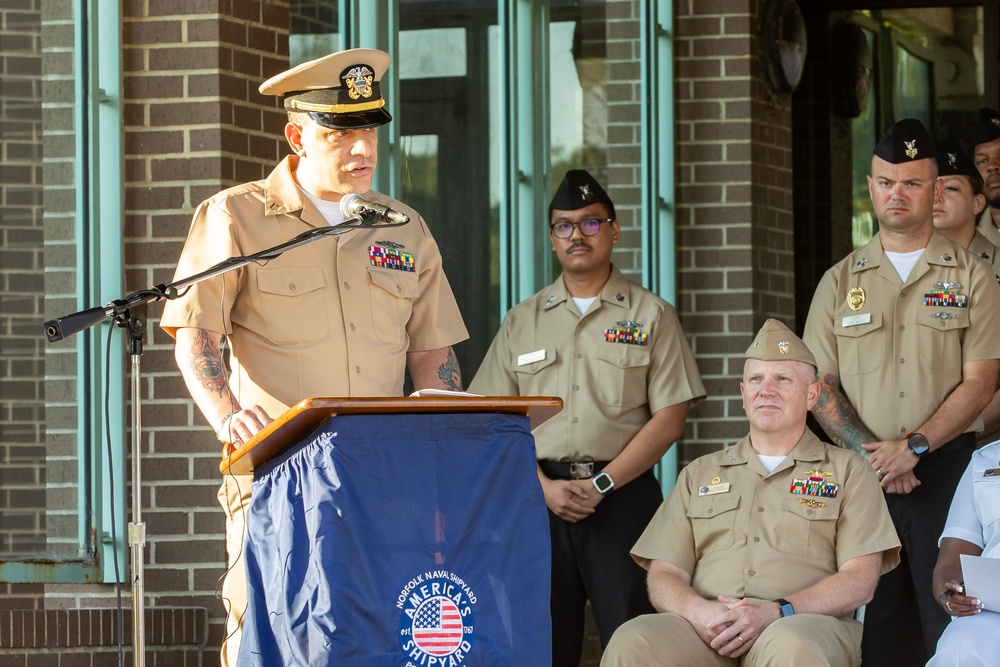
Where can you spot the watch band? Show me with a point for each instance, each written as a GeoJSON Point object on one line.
{"type": "Point", "coordinates": [785, 607]}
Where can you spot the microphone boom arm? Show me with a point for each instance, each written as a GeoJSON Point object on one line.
{"type": "Point", "coordinates": [66, 326]}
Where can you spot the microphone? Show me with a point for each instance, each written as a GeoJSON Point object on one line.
{"type": "Point", "coordinates": [352, 205]}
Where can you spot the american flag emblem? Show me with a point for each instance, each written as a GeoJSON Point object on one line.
{"type": "Point", "coordinates": [437, 626]}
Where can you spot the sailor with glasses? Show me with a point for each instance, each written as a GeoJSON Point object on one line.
{"type": "Point", "coordinates": [617, 356]}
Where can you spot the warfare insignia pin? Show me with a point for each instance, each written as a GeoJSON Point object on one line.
{"type": "Point", "coordinates": [815, 504]}
{"type": "Point", "coordinates": [946, 285]}
{"type": "Point", "coordinates": [856, 298]}
{"type": "Point", "coordinates": [629, 324]}
{"type": "Point", "coordinates": [391, 244]}
{"type": "Point", "coordinates": [911, 148]}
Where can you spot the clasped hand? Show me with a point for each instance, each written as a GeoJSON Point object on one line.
{"type": "Point", "coordinates": [732, 625]}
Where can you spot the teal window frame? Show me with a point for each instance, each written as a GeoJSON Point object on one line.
{"type": "Point", "coordinates": [98, 176]}
{"type": "Point", "coordinates": [524, 261]}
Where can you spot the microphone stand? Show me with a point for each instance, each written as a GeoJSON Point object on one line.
{"type": "Point", "coordinates": [129, 313]}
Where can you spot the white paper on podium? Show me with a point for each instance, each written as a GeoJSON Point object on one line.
{"type": "Point", "coordinates": [982, 579]}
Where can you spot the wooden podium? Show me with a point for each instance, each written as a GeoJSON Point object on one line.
{"type": "Point", "coordinates": [398, 531]}
{"type": "Point", "coordinates": [306, 415]}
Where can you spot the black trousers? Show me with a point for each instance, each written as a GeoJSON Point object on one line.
{"type": "Point", "coordinates": [904, 622]}
{"type": "Point", "coordinates": [590, 560]}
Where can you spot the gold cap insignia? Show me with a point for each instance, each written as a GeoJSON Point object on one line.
{"type": "Point", "coordinates": [911, 148]}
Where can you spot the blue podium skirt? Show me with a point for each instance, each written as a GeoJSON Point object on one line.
{"type": "Point", "coordinates": [409, 540]}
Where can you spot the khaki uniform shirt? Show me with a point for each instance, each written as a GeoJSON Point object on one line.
{"type": "Point", "coordinates": [897, 348]}
{"type": "Point", "coordinates": [988, 229]}
{"type": "Point", "coordinates": [323, 319]}
{"type": "Point", "coordinates": [613, 367]}
{"type": "Point", "coordinates": [986, 251]}
{"type": "Point", "coordinates": [742, 532]}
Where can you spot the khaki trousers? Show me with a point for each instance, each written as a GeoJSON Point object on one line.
{"type": "Point", "coordinates": [667, 640]}
{"type": "Point", "coordinates": [234, 496]}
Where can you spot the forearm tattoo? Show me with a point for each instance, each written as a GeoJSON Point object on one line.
{"type": "Point", "coordinates": [839, 419]}
{"type": "Point", "coordinates": [450, 374]}
{"type": "Point", "coordinates": [206, 361]}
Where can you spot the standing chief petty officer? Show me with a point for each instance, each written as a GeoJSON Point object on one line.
{"type": "Point", "coordinates": [342, 316]}
{"type": "Point", "coordinates": [904, 334]}
{"type": "Point", "coordinates": [615, 353]}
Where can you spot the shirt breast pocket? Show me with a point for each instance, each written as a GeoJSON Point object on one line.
{"type": "Point", "coordinates": [807, 530]}
{"type": "Point", "coordinates": [293, 304]}
{"type": "Point", "coordinates": [392, 295]}
{"type": "Point", "coordinates": [941, 337]}
{"type": "Point", "coordinates": [713, 521]}
{"type": "Point", "coordinates": [622, 375]}
{"type": "Point", "coordinates": [859, 346]}
{"type": "Point", "coordinates": [530, 378]}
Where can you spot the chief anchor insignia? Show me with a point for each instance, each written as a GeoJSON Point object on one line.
{"type": "Point", "coordinates": [856, 298]}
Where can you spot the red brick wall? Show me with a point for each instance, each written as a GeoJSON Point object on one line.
{"type": "Point", "coordinates": [734, 209]}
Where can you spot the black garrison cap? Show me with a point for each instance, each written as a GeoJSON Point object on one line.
{"type": "Point", "coordinates": [905, 141]}
{"type": "Point", "coordinates": [952, 161]}
{"type": "Point", "coordinates": [579, 189]}
{"type": "Point", "coordinates": [988, 127]}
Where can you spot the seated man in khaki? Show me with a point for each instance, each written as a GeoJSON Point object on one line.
{"type": "Point", "coordinates": [763, 551]}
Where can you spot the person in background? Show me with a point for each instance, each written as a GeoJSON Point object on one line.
{"type": "Point", "coordinates": [764, 550]}
{"type": "Point", "coordinates": [972, 639]}
{"type": "Point", "coordinates": [986, 156]}
{"type": "Point", "coordinates": [957, 209]}
{"type": "Point", "coordinates": [342, 316]}
{"type": "Point", "coordinates": [615, 353]}
{"type": "Point", "coordinates": [904, 333]}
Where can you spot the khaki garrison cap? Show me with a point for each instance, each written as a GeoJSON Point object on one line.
{"type": "Point", "coordinates": [339, 91]}
{"type": "Point", "coordinates": [776, 342]}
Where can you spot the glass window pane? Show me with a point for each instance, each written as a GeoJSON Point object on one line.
{"type": "Point", "coordinates": [594, 72]}
{"type": "Point", "coordinates": [448, 58]}
{"type": "Point", "coordinates": [39, 435]}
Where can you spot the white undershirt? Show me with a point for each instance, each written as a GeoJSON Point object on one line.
{"type": "Point", "coordinates": [329, 209]}
{"type": "Point", "coordinates": [904, 261]}
{"type": "Point", "coordinates": [583, 304]}
{"type": "Point", "coordinates": [770, 462]}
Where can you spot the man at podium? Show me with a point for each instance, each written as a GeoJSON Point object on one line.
{"type": "Point", "coordinates": [333, 318]}
{"type": "Point", "coordinates": [615, 353]}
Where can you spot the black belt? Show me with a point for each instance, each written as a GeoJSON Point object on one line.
{"type": "Point", "coordinates": [571, 469]}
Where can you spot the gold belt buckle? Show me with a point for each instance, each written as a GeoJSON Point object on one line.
{"type": "Point", "coordinates": [581, 469]}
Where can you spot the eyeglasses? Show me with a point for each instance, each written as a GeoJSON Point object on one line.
{"type": "Point", "coordinates": [564, 230]}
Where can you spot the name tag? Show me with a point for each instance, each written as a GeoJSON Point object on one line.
{"type": "Point", "coordinates": [713, 489]}
{"type": "Point", "coordinates": [530, 357]}
{"type": "Point", "coordinates": [855, 320]}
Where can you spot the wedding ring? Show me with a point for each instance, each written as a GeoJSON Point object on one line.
{"type": "Point", "coordinates": [948, 604]}
{"type": "Point", "coordinates": [740, 638]}
{"type": "Point", "coordinates": [880, 473]}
